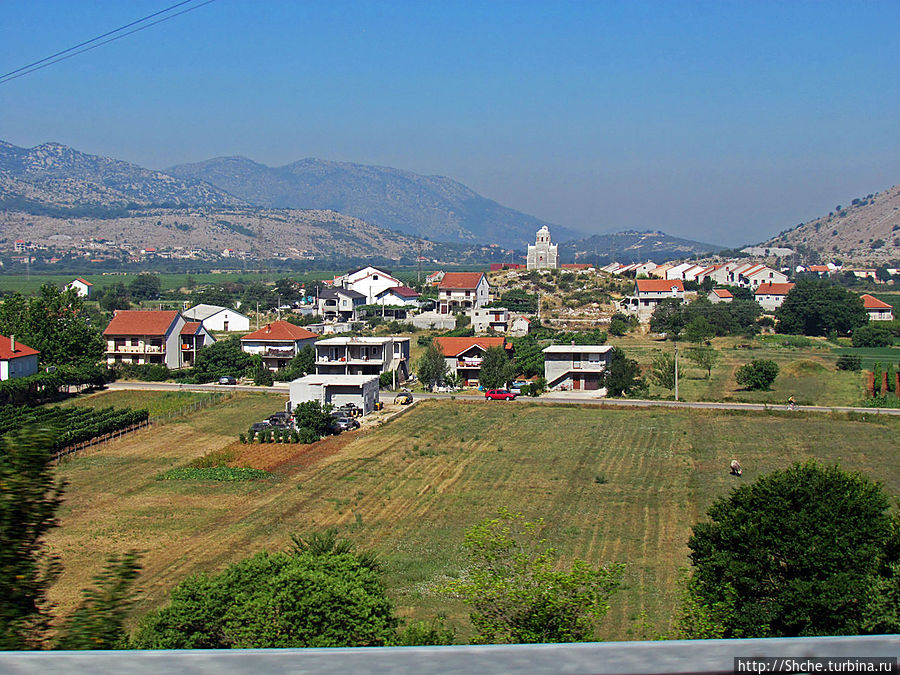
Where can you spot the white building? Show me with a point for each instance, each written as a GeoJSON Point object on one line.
{"type": "Point", "coordinates": [336, 390]}
{"type": "Point", "coordinates": [463, 292]}
{"type": "Point", "coordinates": [771, 296]}
{"type": "Point", "coordinates": [398, 296]}
{"type": "Point", "coordinates": [16, 359]}
{"type": "Point", "coordinates": [648, 293]}
{"type": "Point", "coordinates": [490, 320]}
{"type": "Point", "coordinates": [363, 356]}
{"type": "Point", "coordinates": [877, 309]}
{"type": "Point", "coordinates": [145, 337]}
{"type": "Point", "coordinates": [221, 319]}
{"type": "Point", "coordinates": [718, 295]}
{"type": "Point", "coordinates": [542, 255]}
{"type": "Point", "coordinates": [81, 286]}
{"type": "Point", "coordinates": [574, 367]}
{"type": "Point", "coordinates": [277, 343]}
{"type": "Point", "coordinates": [369, 281]}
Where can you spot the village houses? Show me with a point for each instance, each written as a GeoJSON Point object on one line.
{"type": "Point", "coordinates": [465, 354]}
{"type": "Point", "coordinates": [463, 292]}
{"type": "Point", "coordinates": [277, 343]}
{"type": "Point", "coordinates": [16, 360]}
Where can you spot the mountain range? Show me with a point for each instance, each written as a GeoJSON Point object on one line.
{"type": "Point", "coordinates": [632, 246]}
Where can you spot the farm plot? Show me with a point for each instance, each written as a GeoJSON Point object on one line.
{"type": "Point", "coordinates": [612, 485]}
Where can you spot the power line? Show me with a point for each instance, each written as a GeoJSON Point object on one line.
{"type": "Point", "coordinates": [65, 54]}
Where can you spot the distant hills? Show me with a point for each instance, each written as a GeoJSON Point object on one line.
{"type": "Point", "coordinates": [433, 207]}
{"type": "Point", "coordinates": [632, 246]}
{"type": "Point", "coordinates": [865, 231]}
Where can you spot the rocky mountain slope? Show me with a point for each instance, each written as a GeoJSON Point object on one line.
{"type": "Point", "coordinates": [55, 177]}
{"type": "Point", "coordinates": [434, 207]}
{"type": "Point", "coordinates": [865, 231]}
{"type": "Point", "coordinates": [632, 246]}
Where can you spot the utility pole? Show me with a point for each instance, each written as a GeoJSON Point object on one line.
{"type": "Point", "coordinates": [676, 369]}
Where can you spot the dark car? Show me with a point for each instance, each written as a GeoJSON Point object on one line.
{"type": "Point", "coordinates": [281, 419]}
{"type": "Point", "coordinates": [227, 379]}
{"type": "Point", "coordinates": [499, 395]}
{"type": "Point", "coordinates": [260, 426]}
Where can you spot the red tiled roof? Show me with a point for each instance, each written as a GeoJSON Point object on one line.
{"type": "Point", "coordinates": [140, 322]}
{"type": "Point", "coordinates": [774, 289]}
{"type": "Point", "coordinates": [723, 292]}
{"type": "Point", "coordinates": [871, 302]}
{"type": "Point", "coordinates": [467, 281]}
{"type": "Point", "coordinates": [819, 268]}
{"type": "Point", "coordinates": [403, 291]}
{"type": "Point", "coordinates": [191, 327]}
{"type": "Point", "coordinates": [84, 281]}
{"type": "Point", "coordinates": [576, 266]}
{"type": "Point", "coordinates": [659, 285]}
{"type": "Point", "coordinates": [453, 346]}
{"type": "Point", "coordinates": [280, 330]}
{"type": "Point", "coordinates": [21, 350]}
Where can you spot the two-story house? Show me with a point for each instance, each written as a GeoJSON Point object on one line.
{"type": "Point", "coordinates": [465, 354]}
{"type": "Point", "coordinates": [754, 277]}
{"type": "Point", "coordinates": [363, 356]}
{"type": "Point", "coordinates": [648, 293]}
{"type": "Point", "coordinates": [144, 337]}
{"type": "Point", "coordinates": [16, 359]}
{"type": "Point", "coordinates": [878, 310]}
{"type": "Point", "coordinates": [771, 296]}
{"type": "Point", "coordinates": [575, 366]}
{"type": "Point", "coordinates": [490, 320]}
{"type": "Point", "coordinates": [340, 304]}
{"type": "Point", "coordinates": [277, 343]}
{"type": "Point", "coordinates": [370, 281]}
{"type": "Point", "coordinates": [463, 292]}
{"type": "Point", "coordinates": [194, 337]}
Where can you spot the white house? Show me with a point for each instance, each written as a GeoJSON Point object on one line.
{"type": "Point", "coordinates": [464, 355]}
{"type": "Point", "coordinates": [876, 309]}
{"type": "Point", "coordinates": [221, 319]}
{"type": "Point", "coordinates": [771, 296]}
{"type": "Point", "coordinates": [398, 296]}
{"type": "Point", "coordinates": [16, 359]}
{"type": "Point", "coordinates": [542, 255]}
{"type": "Point", "coordinates": [645, 268]}
{"type": "Point", "coordinates": [277, 343]}
{"type": "Point", "coordinates": [194, 337]}
{"type": "Point", "coordinates": [369, 281]}
{"type": "Point", "coordinates": [648, 293]}
{"type": "Point", "coordinates": [760, 274]}
{"type": "Point", "coordinates": [519, 326]}
{"type": "Point", "coordinates": [336, 390]}
{"type": "Point", "coordinates": [718, 295]}
{"type": "Point", "coordinates": [340, 304]}
{"type": "Point", "coordinates": [463, 292]}
{"type": "Point", "coordinates": [363, 356]}
{"type": "Point", "coordinates": [490, 320]}
{"type": "Point", "coordinates": [81, 286]}
{"type": "Point", "coordinates": [677, 272]}
{"type": "Point", "coordinates": [575, 366]}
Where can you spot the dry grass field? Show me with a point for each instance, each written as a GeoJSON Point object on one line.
{"type": "Point", "coordinates": [612, 485]}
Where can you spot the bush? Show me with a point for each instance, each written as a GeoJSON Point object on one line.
{"type": "Point", "coordinates": [758, 374]}
{"type": "Point", "coordinates": [849, 362]}
{"type": "Point", "coordinates": [872, 335]}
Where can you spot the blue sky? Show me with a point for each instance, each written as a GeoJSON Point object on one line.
{"type": "Point", "coordinates": [720, 121]}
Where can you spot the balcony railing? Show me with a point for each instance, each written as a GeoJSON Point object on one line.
{"type": "Point", "coordinates": [137, 349]}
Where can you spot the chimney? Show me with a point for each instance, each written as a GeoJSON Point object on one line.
{"type": "Point", "coordinates": [268, 328]}
{"type": "Point", "coordinates": [12, 343]}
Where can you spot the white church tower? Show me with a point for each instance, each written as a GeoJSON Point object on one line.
{"type": "Point", "coordinates": [543, 255]}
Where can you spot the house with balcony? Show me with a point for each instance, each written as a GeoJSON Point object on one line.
{"type": "Point", "coordinates": [277, 343]}
{"type": "Point", "coordinates": [194, 337]}
{"type": "Point", "coordinates": [575, 367]}
{"type": "Point", "coordinates": [465, 354]}
{"type": "Point", "coordinates": [370, 281]}
{"type": "Point", "coordinates": [771, 296]}
{"type": "Point", "coordinates": [490, 320]}
{"type": "Point", "coordinates": [340, 304]}
{"type": "Point", "coordinates": [363, 356]}
{"type": "Point", "coordinates": [16, 359]}
{"type": "Point", "coordinates": [463, 292]}
{"type": "Point", "coordinates": [216, 318]}
{"type": "Point", "coordinates": [648, 293]}
{"type": "Point", "coordinates": [878, 310]}
{"type": "Point", "coordinates": [144, 337]}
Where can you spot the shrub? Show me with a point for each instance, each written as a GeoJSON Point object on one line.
{"type": "Point", "coordinates": [849, 362]}
{"type": "Point", "coordinates": [758, 374]}
{"type": "Point", "coordinates": [306, 435]}
{"type": "Point", "coordinates": [872, 335]}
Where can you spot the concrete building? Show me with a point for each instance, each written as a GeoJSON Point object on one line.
{"type": "Point", "coordinates": [220, 319]}
{"type": "Point", "coordinates": [519, 326]}
{"type": "Point", "coordinates": [277, 343]}
{"type": "Point", "coordinates": [336, 390]}
{"type": "Point", "coordinates": [194, 337]}
{"type": "Point", "coordinates": [876, 309]}
{"type": "Point", "coordinates": [718, 295]}
{"type": "Point", "coordinates": [340, 304]}
{"type": "Point", "coordinates": [16, 360]}
{"type": "Point", "coordinates": [574, 367]}
{"type": "Point", "coordinates": [363, 356]}
{"type": "Point", "coordinates": [463, 292]}
{"type": "Point", "coordinates": [542, 255]}
{"type": "Point", "coordinates": [771, 296]}
{"type": "Point", "coordinates": [144, 337]}
{"type": "Point", "coordinates": [465, 354]}
{"type": "Point", "coordinates": [490, 320]}
{"type": "Point", "coordinates": [648, 293]}
{"type": "Point", "coordinates": [369, 281]}
{"type": "Point", "coordinates": [81, 286]}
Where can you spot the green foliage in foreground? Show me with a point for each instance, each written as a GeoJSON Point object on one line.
{"type": "Point", "coordinates": [810, 550]}
{"type": "Point", "coordinates": [623, 375]}
{"type": "Point", "coordinates": [758, 374]}
{"type": "Point", "coordinates": [272, 600]}
{"type": "Point", "coordinates": [221, 473]}
{"type": "Point", "coordinates": [518, 592]}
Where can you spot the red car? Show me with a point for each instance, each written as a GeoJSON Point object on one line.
{"type": "Point", "coordinates": [499, 395]}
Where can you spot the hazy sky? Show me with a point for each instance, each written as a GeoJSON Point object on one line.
{"type": "Point", "coordinates": [721, 121]}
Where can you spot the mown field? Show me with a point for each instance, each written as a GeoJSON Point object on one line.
{"type": "Point", "coordinates": [612, 485]}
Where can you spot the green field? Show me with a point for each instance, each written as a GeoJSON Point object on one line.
{"type": "Point", "coordinates": [157, 403]}
{"type": "Point", "coordinates": [410, 488]}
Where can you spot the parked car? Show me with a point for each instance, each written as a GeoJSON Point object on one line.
{"type": "Point", "coordinates": [260, 426]}
{"type": "Point", "coordinates": [403, 398]}
{"type": "Point", "coordinates": [499, 395]}
{"type": "Point", "coordinates": [347, 423]}
{"type": "Point", "coordinates": [335, 427]}
{"type": "Point", "coordinates": [281, 419]}
{"type": "Point", "coordinates": [227, 379]}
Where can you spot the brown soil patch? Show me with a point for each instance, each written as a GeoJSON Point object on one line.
{"type": "Point", "coordinates": [286, 458]}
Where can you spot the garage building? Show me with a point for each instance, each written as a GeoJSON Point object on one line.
{"type": "Point", "coordinates": [361, 390]}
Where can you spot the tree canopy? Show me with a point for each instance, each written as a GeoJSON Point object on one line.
{"type": "Point", "coordinates": [758, 374]}
{"type": "Point", "coordinates": [622, 376]}
{"type": "Point", "coordinates": [431, 367]}
{"type": "Point", "coordinates": [224, 357]}
{"type": "Point", "coordinates": [798, 552]}
{"type": "Point", "coordinates": [497, 369]}
{"type": "Point", "coordinates": [820, 307]}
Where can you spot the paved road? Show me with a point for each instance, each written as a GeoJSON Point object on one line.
{"type": "Point", "coordinates": [606, 402]}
